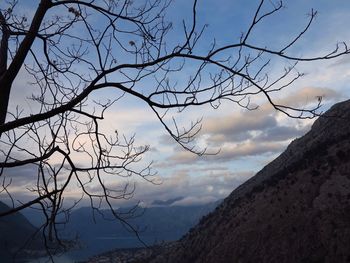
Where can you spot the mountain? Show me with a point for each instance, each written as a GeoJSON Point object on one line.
{"type": "Point", "coordinates": [296, 209]}
{"type": "Point", "coordinates": [35, 216]}
{"type": "Point", "coordinates": [16, 233]}
{"type": "Point", "coordinates": [154, 225]}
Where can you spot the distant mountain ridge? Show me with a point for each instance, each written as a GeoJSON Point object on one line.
{"type": "Point", "coordinates": [154, 225]}
{"type": "Point", "coordinates": [296, 209]}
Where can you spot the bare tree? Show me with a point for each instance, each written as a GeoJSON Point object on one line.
{"type": "Point", "coordinates": [73, 49]}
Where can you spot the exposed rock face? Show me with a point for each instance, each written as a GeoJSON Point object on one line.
{"type": "Point", "coordinates": [296, 209]}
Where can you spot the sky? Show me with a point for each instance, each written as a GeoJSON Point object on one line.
{"type": "Point", "coordinates": [245, 140]}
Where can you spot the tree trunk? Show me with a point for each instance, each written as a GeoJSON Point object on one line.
{"type": "Point", "coordinates": [4, 88]}
{"type": "Point", "coordinates": [8, 74]}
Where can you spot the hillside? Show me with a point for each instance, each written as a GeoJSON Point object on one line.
{"type": "Point", "coordinates": [15, 232]}
{"type": "Point", "coordinates": [296, 209]}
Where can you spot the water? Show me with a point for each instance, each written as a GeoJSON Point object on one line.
{"type": "Point", "coordinates": [95, 246]}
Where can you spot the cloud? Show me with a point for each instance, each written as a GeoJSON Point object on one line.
{"type": "Point", "coordinates": [194, 200]}
{"type": "Point", "coordinates": [245, 133]}
{"type": "Point", "coordinates": [281, 133]}
{"type": "Point", "coordinates": [238, 123]}
{"type": "Point", "coordinates": [236, 128]}
{"type": "Point", "coordinates": [183, 157]}
{"type": "Point", "coordinates": [22, 176]}
{"type": "Point", "coordinates": [249, 148]}
{"type": "Point", "coordinates": [229, 153]}
{"type": "Point", "coordinates": [206, 186]}
{"type": "Point", "coordinates": [343, 61]}
{"type": "Point", "coordinates": [308, 96]}
{"type": "Point", "coordinates": [194, 186]}
{"type": "Point", "coordinates": [241, 136]}
{"type": "Point", "coordinates": [167, 202]}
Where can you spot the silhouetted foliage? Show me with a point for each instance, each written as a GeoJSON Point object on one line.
{"type": "Point", "coordinates": [70, 58]}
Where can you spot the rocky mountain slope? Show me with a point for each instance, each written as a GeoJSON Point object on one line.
{"type": "Point", "coordinates": [296, 209]}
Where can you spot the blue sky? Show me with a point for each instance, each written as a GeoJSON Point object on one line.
{"type": "Point", "coordinates": [247, 146]}
{"type": "Point", "coordinates": [247, 140]}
